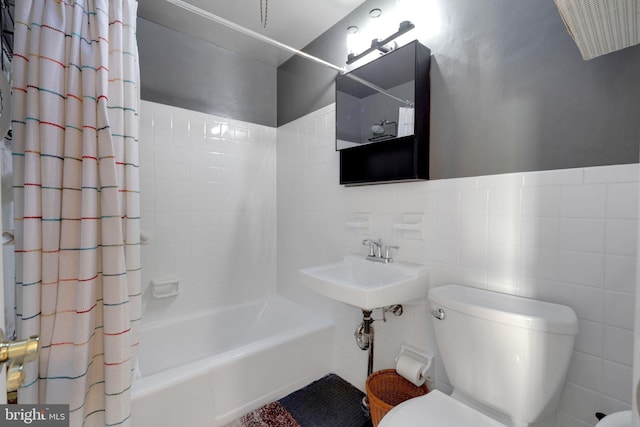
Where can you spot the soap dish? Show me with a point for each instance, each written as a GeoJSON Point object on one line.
{"type": "Point", "coordinates": [411, 226]}
{"type": "Point", "coordinates": [359, 221]}
{"type": "Point", "coordinates": [165, 288]}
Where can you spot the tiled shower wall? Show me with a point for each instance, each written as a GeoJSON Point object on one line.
{"type": "Point", "coordinates": [566, 236]}
{"type": "Point", "coordinates": [208, 208]}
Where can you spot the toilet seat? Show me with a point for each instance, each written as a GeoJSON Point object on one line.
{"type": "Point", "coordinates": [617, 419]}
{"type": "Point", "coordinates": [437, 409]}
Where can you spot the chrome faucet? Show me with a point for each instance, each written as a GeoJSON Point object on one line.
{"type": "Point", "coordinates": [379, 252]}
{"type": "Point", "coordinates": [375, 247]}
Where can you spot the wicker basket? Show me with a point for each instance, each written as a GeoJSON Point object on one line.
{"type": "Point", "coordinates": [386, 389]}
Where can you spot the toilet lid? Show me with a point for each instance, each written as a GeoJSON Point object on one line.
{"type": "Point", "coordinates": [437, 409]}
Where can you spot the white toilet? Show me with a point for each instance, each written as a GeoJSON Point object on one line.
{"type": "Point", "coordinates": [506, 358]}
{"type": "Point", "coordinates": [617, 419]}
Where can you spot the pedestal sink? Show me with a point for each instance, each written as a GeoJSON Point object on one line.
{"type": "Point", "coordinates": [367, 285]}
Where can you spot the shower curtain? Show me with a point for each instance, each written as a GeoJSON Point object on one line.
{"type": "Point", "coordinates": [76, 190]}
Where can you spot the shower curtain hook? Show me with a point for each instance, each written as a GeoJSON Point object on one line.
{"type": "Point", "coordinates": [263, 17]}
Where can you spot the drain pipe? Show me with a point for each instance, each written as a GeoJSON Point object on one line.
{"type": "Point", "coordinates": [364, 337]}
{"type": "Point", "coordinates": [364, 331]}
{"type": "Point", "coordinates": [368, 332]}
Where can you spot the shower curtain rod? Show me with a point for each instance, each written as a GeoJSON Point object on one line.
{"type": "Point", "coordinates": [215, 18]}
{"type": "Point", "coordinates": [342, 70]}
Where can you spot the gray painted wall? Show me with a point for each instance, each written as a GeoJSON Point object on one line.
{"type": "Point", "coordinates": [509, 90]}
{"type": "Point", "coordinates": [183, 71]}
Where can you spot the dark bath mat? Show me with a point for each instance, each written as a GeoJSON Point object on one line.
{"type": "Point", "coordinates": [327, 402]}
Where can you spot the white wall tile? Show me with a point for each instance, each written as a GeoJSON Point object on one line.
{"type": "Point", "coordinates": [540, 232]}
{"type": "Point", "coordinates": [544, 290]}
{"type": "Point", "coordinates": [474, 202]}
{"type": "Point", "coordinates": [446, 227]}
{"type": "Point", "coordinates": [585, 370]}
{"type": "Point", "coordinates": [622, 201]}
{"type": "Point", "coordinates": [618, 309]}
{"type": "Point", "coordinates": [513, 180]}
{"type": "Point", "coordinates": [620, 272]}
{"type": "Point", "coordinates": [566, 420]}
{"type": "Point", "coordinates": [617, 381]}
{"type": "Point", "coordinates": [146, 114]}
{"type": "Point", "coordinates": [636, 356]}
{"type": "Point", "coordinates": [586, 301]}
{"type": "Point", "coordinates": [505, 201]}
{"type": "Point", "coordinates": [473, 255]}
{"type": "Point", "coordinates": [609, 405]}
{"type": "Point", "coordinates": [566, 236]}
{"type": "Point", "coordinates": [444, 251]}
{"type": "Point", "coordinates": [447, 202]}
{"type": "Point", "coordinates": [186, 158]}
{"type": "Point", "coordinates": [539, 263]}
{"type": "Point", "coordinates": [583, 201]}
{"type": "Point", "coordinates": [618, 345]}
{"type": "Point", "coordinates": [581, 268]}
{"type": "Point", "coordinates": [608, 174]}
{"type": "Point", "coordinates": [180, 122]}
{"type": "Point", "coordinates": [473, 228]}
{"type": "Point", "coordinates": [579, 402]}
{"type": "Point", "coordinates": [503, 268]}
{"type": "Point", "coordinates": [621, 237]}
{"type": "Point", "coordinates": [161, 116]}
{"type": "Point", "coordinates": [554, 177]}
{"type": "Point", "coordinates": [590, 337]}
{"type": "Point", "coordinates": [541, 201]}
{"type": "Point", "coordinates": [504, 230]}
{"type": "Point", "coordinates": [585, 235]}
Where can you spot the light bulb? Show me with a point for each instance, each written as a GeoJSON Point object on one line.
{"type": "Point", "coordinates": [375, 24]}
{"type": "Point", "coordinates": [352, 39]}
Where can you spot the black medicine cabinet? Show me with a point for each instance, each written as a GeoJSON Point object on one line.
{"type": "Point", "coordinates": [383, 136]}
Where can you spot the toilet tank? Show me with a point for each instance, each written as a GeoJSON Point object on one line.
{"type": "Point", "coordinates": [507, 352]}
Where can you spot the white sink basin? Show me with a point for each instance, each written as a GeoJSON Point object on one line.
{"type": "Point", "coordinates": [367, 284]}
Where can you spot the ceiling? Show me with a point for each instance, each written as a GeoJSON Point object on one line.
{"type": "Point", "coordinates": [292, 22]}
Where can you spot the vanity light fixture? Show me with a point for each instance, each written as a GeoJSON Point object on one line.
{"type": "Point", "coordinates": [380, 45]}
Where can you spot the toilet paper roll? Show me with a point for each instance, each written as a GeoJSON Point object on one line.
{"type": "Point", "coordinates": [411, 369]}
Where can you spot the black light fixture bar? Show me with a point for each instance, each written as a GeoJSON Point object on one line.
{"type": "Point", "coordinates": [379, 45]}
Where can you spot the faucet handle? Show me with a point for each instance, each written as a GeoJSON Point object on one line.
{"type": "Point", "coordinates": [371, 246]}
{"type": "Point", "coordinates": [387, 252]}
{"type": "Point", "coordinates": [375, 246]}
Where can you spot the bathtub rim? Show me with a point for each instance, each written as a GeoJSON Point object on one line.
{"type": "Point", "coordinates": [159, 323]}
{"type": "Point", "coordinates": [314, 321]}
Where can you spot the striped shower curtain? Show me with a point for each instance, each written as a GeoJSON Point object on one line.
{"type": "Point", "coordinates": [76, 190]}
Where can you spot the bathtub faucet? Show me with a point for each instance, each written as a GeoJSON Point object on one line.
{"type": "Point", "coordinates": [379, 252]}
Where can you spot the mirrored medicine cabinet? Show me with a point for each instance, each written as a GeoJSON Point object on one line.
{"type": "Point", "coordinates": [382, 118]}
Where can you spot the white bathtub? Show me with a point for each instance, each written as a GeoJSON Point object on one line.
{"type": "Point", "coordinates": [210, 368]}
